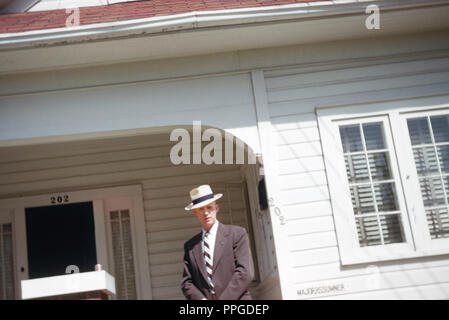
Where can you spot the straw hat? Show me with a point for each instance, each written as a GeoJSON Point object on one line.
{"type": "Point", "coordinates": [202, 196]}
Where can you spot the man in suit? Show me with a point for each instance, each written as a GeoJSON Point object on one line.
{"type": "Point", "coordinates": [217, 261]}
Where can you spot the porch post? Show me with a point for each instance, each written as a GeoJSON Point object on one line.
{"type": "Point", "coordinates": [268, 153]}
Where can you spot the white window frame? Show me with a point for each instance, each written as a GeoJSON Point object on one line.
{"type": "Point", "coordinates": [426, 244]}
{"type": "Point", "coordinates": [17, 208]}
{"type": "Point", "coordinates": [418, 242]}
{"type": "Point", "coordinates": [119, 204]}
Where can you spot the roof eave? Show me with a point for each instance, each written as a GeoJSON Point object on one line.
{"type": "Point", "coordinates": [200, 20]}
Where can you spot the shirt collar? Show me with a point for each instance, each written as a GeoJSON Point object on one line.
{"type": "Point", "coordinates": [212, 230]}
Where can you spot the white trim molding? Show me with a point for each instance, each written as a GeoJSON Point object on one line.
{"type": "Point", "coordinates": [417, 242]}
{"type": "Point", "coordinates": [197, 20]}
{"type": "Point", "coordinates": [100, 198]}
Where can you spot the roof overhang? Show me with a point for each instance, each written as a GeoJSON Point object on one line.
{"type": "Point", "coordinates": [214, 31]}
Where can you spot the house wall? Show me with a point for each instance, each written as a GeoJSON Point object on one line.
{"type": "Point", "coordinates": [218, 90]}
{"type": "Point", "coordinates": [293, 95]}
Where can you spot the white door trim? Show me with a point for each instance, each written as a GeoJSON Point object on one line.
{"type": "Point", "coordinates": [97, 196]}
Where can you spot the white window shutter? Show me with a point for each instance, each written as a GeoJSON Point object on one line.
{"type": "Point", "coordinates": [123, 255]}
{"type": "Point", "coordinates": [7, 286]}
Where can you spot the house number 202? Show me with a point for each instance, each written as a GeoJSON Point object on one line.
{"type": "Point", "coordinates": [59, 199]}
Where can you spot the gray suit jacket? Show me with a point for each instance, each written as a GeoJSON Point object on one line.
{"type": "Point", "coordinates": [233, 268]}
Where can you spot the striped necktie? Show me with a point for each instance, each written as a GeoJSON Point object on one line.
{"type": "Point", "coordinates": [208, 260]}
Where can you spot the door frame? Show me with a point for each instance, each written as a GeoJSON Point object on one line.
{"type": "Point", "coordinates": [17, 206]}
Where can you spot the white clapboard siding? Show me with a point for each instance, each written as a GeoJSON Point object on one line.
{"type": "Point", "coordinates": [307, 209]}
{"type": "Point", "coordinates": [303, 180]}
{"type": "Point", "coordinates": [373, 280]}
{"type": "Point", "coordinates": [293, 95]}
{"type": "Point", "coordinates": [414, 292]}
{"type": "Point", "coordinates": [297, 150]}
{"type": "Point", "coordinates": [123, 161]}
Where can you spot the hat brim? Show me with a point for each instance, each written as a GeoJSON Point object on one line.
{"type": "Point", "coordinates": [203, 203]}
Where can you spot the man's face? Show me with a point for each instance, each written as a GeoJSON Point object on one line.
{"type": "Point", "coordinates": [207, 215]}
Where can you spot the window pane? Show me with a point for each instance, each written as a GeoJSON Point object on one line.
{"type": "Point", "coordinates": [374, 136]}
{"type": "Point", "coordinates": [391, 228]}
{"type": "Point", "coordinates": [356, 168]}
{"type": "Point", "coordinates": [362, 199]}
{"type": "Point", "coordinates": [419, 131]}
{"type": "Point", "coordinates": [386, 197]}
{"type": "Point", "coordinates": [379, 164]}
{"type": "Point", "coordinates": [432, 192]}
{"type": "Point", "coordinates": [440, 128]}
{"type": "Point", "coordinates": [425, 161]}
{"type": "Point", "coordinates": [438, 222]}
{"type": "Point", "coordinates": [351, 138]}
{"type": "Point", "coordinates": [114, 215]}
{"type": "Point", "coordinates": [368, 231]}
{"type": "Point", "coordinates": [125, 214]}
{"type": "Point", "coordinates": [443, 157]}
{"type": "Point", "coordinates": [7, 228]}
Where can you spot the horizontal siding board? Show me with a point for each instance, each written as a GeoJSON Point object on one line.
{"type": "Point", "coordinates": [312, 241]}
{"type": "Point", "coordinates": [222, 173]}
{"type": "Point", "coordinates": [163, 247]}
{"type": "Point", "coordinates": [164, 225]}
{"type": "Point", "coordinates": [190, 221]}
{"type": "Point", "coordinates": [304, 194]}
{"type": "Point", "coordinates": [354, 73]}
{"type": "Point", "coordinates": [183, 191]}
{"type": "Point", "coordinates": [296, 136]}
{"type": "Point", "coordinates": [167, 258]}
{"type": "Point", "coordinates": [82, 160]}
{"type": "Point", "coordinates": [181, 202]}
{"type": "Point", "coordinates": [294, 121]}
{"type": "Point", "coordinates": [301, 165]}
{"type": "Point", "coordinates": [177, 234]}
{"type": "Point", "coordinates": [166, 281]}
{"type": "Point", "coordinates": [82, 147]}
{"type": "Point", "coordinates": [166, 269]}
{"type": "Point", "coordinates": [299, 150]}
{"type": "Point", "coordinates": [107, 179]}
{"type": "Point", "coordinates": [307, 209]}
{"type": "Point", "coordinates": [357, 86]}
{"type": "Point", "coordinates": [303, 180]}
{"type": "Point", "coordinates": [313, 258]}
{"type": "Point", "coordinates": [290, 107]}
{"type": "Point", "coordinates": [166, 293]}
{"type": "Point", "coordinates": [87, 170]}
{"type": "Point", "coordinates": [179, 212]}
{"type": "Point", "coordinates": [310, 225]}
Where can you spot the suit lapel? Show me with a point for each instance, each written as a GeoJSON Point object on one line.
{"type": "Point", "coordinates": [220, 241]}
{"type": "Point", "coordinates": [199, 257]}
